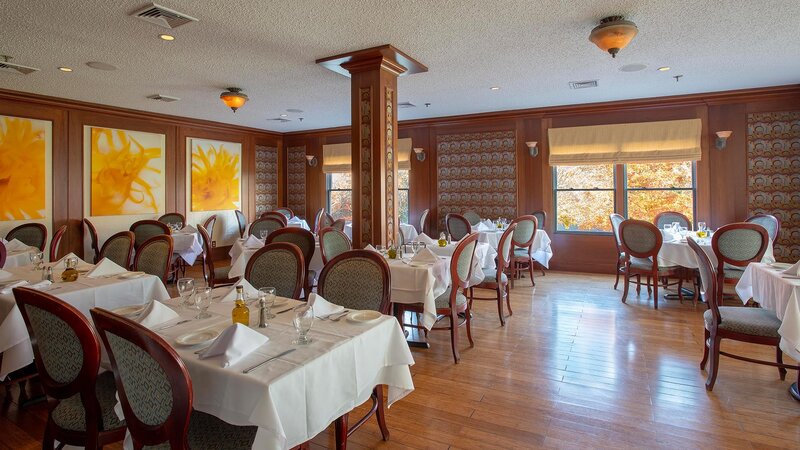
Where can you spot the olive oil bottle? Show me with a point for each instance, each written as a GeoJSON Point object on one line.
{"type": "Point", "coordinates": [240, 313]}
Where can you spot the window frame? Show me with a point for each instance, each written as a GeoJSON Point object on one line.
{"type": "Point", "coordinates": [693, 190]}
{"type": "Point", "coordinates": [556, 190]}
{"type": "Point", "coordinates": [407, 189]}
{"type": "Point", "coordinates": [328, 190]}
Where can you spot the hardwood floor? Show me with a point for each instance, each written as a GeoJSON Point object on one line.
{"type": "Point", "coordinates": [572, 368]}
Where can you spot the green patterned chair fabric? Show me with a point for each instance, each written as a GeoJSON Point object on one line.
{"type": "Point", "coordinates": [666, 218]}
{"type": "Point", "coordinates": [740, 244]}
{"type": "Point", "coordinates": [212, 433]}
{"type": "Point", "coordinates": [59, 347]}
{"type": "Point", "coordinates": [443, 301]}
{"type": "Point", "coordinates": [70, 415]}
{"type": "Point", "coordinates": [541, 219]}
{"type": "Point", "coordinates": [144, 230]}
{"type": "Point", "coordinates": [173, 219]}
{"type": "Point", "coordinates": [647, 264]}
{"type": "Point", "coordinates": [356, 282]}
{"type": "Point", "coordinates": [639, 238]}
{"type": "Point", "coordinates": [303, 239]}
{"type": "Point", "coordinates": [770, 222]}
{"type": "Point", "coordinates": [154, 258]}
{"type": "Point", "coordinates": [29, 234]}
{"type": "Point", "coordinates": [269, 224]}
{"type": "Point", "coordinates": [523, 237]}
{"type": "Point", "coordinates": [286, 212]}
{"type": "Point", "coordinates": [490, 275]}
{"type": "Point", "coordinates": [457, 226]}
{"type": "Point", "coordinates": [740, 319]}
{"type": "Point", "coordinates": [472, 217]}
{"type": "Point", "coordinates": [274, 268]}
{"type": "Point", "coordinates": [334, 244]}
{"type": "Point", "coordinates": [732, 274]}
{"type": "Point", "coordinates": [117, 249]}
{"type": "Point", "coordinates": [465, 260]}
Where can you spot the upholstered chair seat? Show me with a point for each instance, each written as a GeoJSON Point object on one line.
{"type": "Point", "coordinates": [222, 272]}
{"type": "Point", "coordinates": [443, 301]}
{"type": "Point", "coordinates": [733, 274]}
{"type": "Point", "coordinates": [333, 243]}
{"type": "Point", "coordinates": [521, 252]}
{"type": "Point", "coordinates": [70, 415]}
{"type": "Point", "coordinates": [207, 431]}
{"type": "Point", "coordinates": [647, 264]}
{"type": "Point", "coordinates": [489, 276]}
{"type": "Point", "coordinates": [750, 321]}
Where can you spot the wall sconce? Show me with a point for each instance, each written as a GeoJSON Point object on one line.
{"type": "Point", "coordinates": [420, 152]}
{"type": "Point", "coordinates": [532, 148]}
{"type": "Point", "coordinates": [722, 138]}
{"type": "Point", "coordinates": [312, 160]}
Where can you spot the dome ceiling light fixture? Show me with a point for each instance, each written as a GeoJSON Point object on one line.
{"type": "Point", "coordinates": [613, 34]}
{"type": "Point", "coordinates": [233, 98]}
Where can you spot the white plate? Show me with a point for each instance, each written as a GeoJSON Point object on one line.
{"type": "Point", "coordinates": [129, 311]}
{"type": "Point", "coordinates": [197, 337]}
{"type": "Point", "coordinates": [132, 275]}
{"type": "Point", "coordinates": [364, 316]}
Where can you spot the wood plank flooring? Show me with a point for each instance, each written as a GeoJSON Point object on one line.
{"type": "Point", "coordinates": [572, 368]}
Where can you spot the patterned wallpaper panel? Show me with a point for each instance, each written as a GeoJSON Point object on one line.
{"type": "Point", "coordinates": [266, 178]}
{"type": "Point", "coordinates": [296, 180]}
{"type": "Point", "coordinates": [477, 171]}
{"type": "Point", "coordinates": [773, 175]}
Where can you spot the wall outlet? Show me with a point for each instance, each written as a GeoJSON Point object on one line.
{"type": "Point", "coordinates": [213, 244]}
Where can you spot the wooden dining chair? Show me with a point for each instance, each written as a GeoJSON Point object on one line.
{"type": "Point", "coordinates": [739, 323]}
{"type": "Point", "coordinates": [522, 240]}
{"type": "Point", "coordinates": [67, 355]}
{"type": "Point", "coordinates": [319, 220]}
{"type": "Point", "coordinates": [333, 243]}
{"type": "Point", "coordinates": [287, 212]}
{"type": "Point", "coordinates": [32, 234]}
{"type": "Point", "coordinates": [768, 221]}
{"type": "Point", "coordinates": [55, 243]}
{"type": "Point", "coordinates": [304, 240]}
{"type": "Point", "coordinates": [453, 302]}
{"type": "Point", "coordinates": [736, 245]}
{"type": "Point", "coordinates": [616, 220]}
{"type": "Point", "coordinates": [214, 275]}
{"type": "Point", "coordinates": [173, 219]}
{"type": "Point", "coordinates": [154, 257]}
{"type": "Point", "coordinates": [118, 248]}
{"type": "Point", "coordinates": [94, 241]}
{"type": "Point", "coordinates": [457, 226]}
{"type": "Point", "coordinates": [209, 226]}
{"type": "Point", "coordinates": [267, 224]}
{"type": "Point", "coordinates": [275, 215]}
{"type": "Point", "coordinates": [669, 217]}
{"type": "Point", "coordinates": [241, 220]}
{"type": "Point", "coordinates": [339, 224]}
{"type": "Point", "coordinates": [358, 280]}
{"type": "Point", "coordinates": [641, 241]}
{"type": "Point", "coordinates": [423, 220]}
{"type": "Point", "coordinates": [472, 217]}
{"type": "Point", "coordinates": [146, 229]}
{"type": "Point", "coordinates": [541, 224]}
{"type": "Point", "coordinates": [497, 280]}
{"type": "Point", "coordinates": [156, 392]}
{"type": "Point", "coordinates": [280, 265]}
{"type": "Point", "coordinates": [3, 256]}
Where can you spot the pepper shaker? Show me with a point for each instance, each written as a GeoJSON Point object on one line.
{"type": "Point", "coordinates": [262, 313]}
{"type": "Point", "coordinates": [47, 274]}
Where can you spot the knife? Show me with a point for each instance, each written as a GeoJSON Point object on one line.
{"type": "Point", "coordinates": [250, 369]}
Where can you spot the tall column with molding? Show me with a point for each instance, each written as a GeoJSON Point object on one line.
{"type": "Point", "coordinates": [373, 73]}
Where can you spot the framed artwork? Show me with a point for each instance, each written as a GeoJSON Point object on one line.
{"type": "Point", "coordinates": [25, 169]}
{"type": "Point", "coordinates": [215, 175]}
{"type": "Point", "coordinates": [126, 172]}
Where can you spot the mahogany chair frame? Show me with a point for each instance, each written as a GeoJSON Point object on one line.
{"type": "Point", "coordinates": [281, 221]}
{"type": "Point", "coordinates": [498, 285]}
{"type": "Point", "coordinates": [56, 242]}
{"type": "Point", "coordinates": [164, 229]}
{"type": "Point", "coordinates": [712, 338]}
{"type": "Point", "coordinates": [153, 240]}
{"type": "Point", "coordinates": [294, 250]}
{"type": "Point", "coordinates": [458, 217]}
{"type": "Point", "coordinates": [654, 274]}
{"type": "Point", "coordinates": [181, 216]}
{"type": "Point", "coordinates": [324, 232]}
{"type": "Point", "coordinates": [131, 239]}
{"type": "Point", "coordinates": [176, 428]}
{"type": "Point", "coordinates": [83, 384]}
{"type": "Point", "coordinates": [42, 229]}
{"type": "Point", "coordinates": [722, 260]}
{"type": "Point", "coordinates": [3, 256]}
{"type": "Point", "coordinates": [241, 220]}
{"type": "Point", "coordinates": [676, 213]}
{"type": "Point", "coordinates": [307, 255]}
{"type": "Point", "coordinates": [209, 226]}
{"type": "Point", "coordinates": [620, 258]}
{"type": "Point", "coordinates": [423, 219]}
{"type": "Point", "coordinates": [540, 225]}
{"type": "Point", "coordinates": [208, 262]}
{"type": "Point", "coordinates": [520, 264]}
{"type": "Point", "coordinates": [95, 244]}
{"type": "Point", "coordinates": [275, 215]}
{"type": "Point", "coordinates": [318, 218]}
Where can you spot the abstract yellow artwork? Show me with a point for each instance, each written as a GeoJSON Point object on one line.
{"type": "Point", "coordinates": [23, 167]}
{"type": "Point", "coordinates": [216, 173]}
{"type": "Point", "coordinates": [127, 172]}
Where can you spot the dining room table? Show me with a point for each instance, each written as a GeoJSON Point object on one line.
{"type": "Point", "coordinates": [293, 397]}
{"type": "Point", "coordinates": [186, 244]}
{"type": "Point", "coordinates": [675, 251]}
{"type": "Point", "coordinates": [409, 232]}
{"type": "Point", "coordinates": [776, 288]}
{"type": "Point", "coordinates": [241, 251]}
{"type": "Point", "coordinates": [108, 292]}
{"type": "Point", "coordinates": [19, 258]}
{"type": "Point", "coordinates": [541, 248]}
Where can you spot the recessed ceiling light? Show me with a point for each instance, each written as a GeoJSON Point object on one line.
{"type": "Point", "coordinates": [65, 69]}
{"type": "Point", "coordinates": [284, 115]}
{"type": "Point", "coordinates": [495, 88]}
{"type": "Point", "coordinates": [166, 37]}
{"type": "Point", "coordinates": [663, 69]}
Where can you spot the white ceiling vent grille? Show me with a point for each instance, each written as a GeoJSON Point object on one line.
{"type": "Point", "coordinates": [280, 119]}
{"type": "Point", "coordinates": [9, 67]}
{"type": "Point", "coordinates": [403, 105]}
{"type": "Point", "coordinates": [163, 98]}
{"type": "Point", "coordinates": [163, 17]}
{"type": "Point", "coordinates": [582, 84]}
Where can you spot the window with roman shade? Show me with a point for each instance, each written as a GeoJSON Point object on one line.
{"type": "Point", "coordinates": [336, 158]}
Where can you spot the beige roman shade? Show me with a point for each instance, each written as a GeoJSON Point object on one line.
{"type": "Point", "coordinates": [671, 140]}
{"type": "Point", "coordinates": [336, 157]}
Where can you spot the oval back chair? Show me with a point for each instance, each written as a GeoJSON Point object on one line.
{"type": "Point", "coordinates": [339, 225]}
{"type": "Point", "coordinates": [3, 256]}
{"type": "Point", "coordinates": [333, 243]}
{"type": "Point", "coordinates": [94, 241]}
{"type": "Point", "coordinates": [616, 220]}
{"type": "Point", "coordinates": [457, 226]}
{"type": "Point", "coordinates": [541, 219]}
{"type": "Point", "coordinates": [768, 221]}
{"type": "Point", "coordinates": [472, 217]}
{"type": "Point", "coordinates": [304, 240]}
{"type": "Point", "coordinates": [67, 356]}
{"type": "Point", "coordinates": [319, 220]}
{"type": "Point", "coordinates": [275, 215]}
{"type": "Point", "coordinates": [118, 248]}
{"type": "Point", "coordinates": [497, 280]}
{"type": "Point", "coordinates": [209, 226]}
{"type": "Point", "coordinates": [736, 245]}
{"type": "Point", "coordinates": [641, 241]}
{"type": "Point", "coordinates": [241, 220]}
{"type": "Point", "coordinates": [287, 212]}
{"type": "Point", "coordinates": [280, 265]}
{"type": "Point", "coordinates": [173, 219]}
{"type": "Point", "coordinates": [266, 224]}
{"type": "Point", "coordinates": [668, 217]}
{"type": "Point", "coordinates": [32, 234]}
{"type": "Point", "coordinates": [423, 219]}
{"type": "Point", "coordinates": [146, 229]}
{"type": "Point", "coordinates": [357, 279]}
{"type": "Point", "coordinates": [154, 257]}
{"type": "Point", "coordinates": [522, 240]}
{"type": "Point", "coordinates": [214, 276]}
{"type": "Point", "coordinates": [55, 243]}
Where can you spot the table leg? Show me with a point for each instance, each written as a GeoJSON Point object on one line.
{"type": "Point", "coordinates": [794, 389]}
{"type": "Point", "coordinates": [414, 336]}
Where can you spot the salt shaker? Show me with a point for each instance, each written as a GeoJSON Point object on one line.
{"type": "Point", "coordinates": [47, 274]}
{"type": "Point", "coordinates": [262, 313]}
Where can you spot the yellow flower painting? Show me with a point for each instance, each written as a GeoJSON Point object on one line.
{"type": "Point", "coordinates": [127, 172]}
{"type": "Point", "coordinates": [216, 170]}
{"type": "Point", "coordinates": [23, 166]}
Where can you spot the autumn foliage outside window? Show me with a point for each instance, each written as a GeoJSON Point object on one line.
{"type": "Point", "coordinates": [340, 191]}
{"type": "Point", "coordinates": [584, 197]}
{"type": "Point", "coordinates": [657, 187]}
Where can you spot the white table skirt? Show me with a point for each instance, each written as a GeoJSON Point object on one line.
{"type": "Point", "coordinates": [187, 246]}
{"type": "Point", "coordinates": [768, 287]}
{"type": "Point", "coordinates": [241, 255]}
{"type": "Point", "coordinates": [295, 397]}
{"type": "Point", "coordinates": [420, 284]}
{"type": "Point", "coordinates": [541, 250]}
{"type": "Point", "coordinates": [84, 294]}
{"type": "Point", "coordinates": [408, 230]}
{"type": "Point", "coordinates": [485, 259]}
{"type": "Point", "coordinates": [18, 259]}
{"type": "Point", "coordinates": [678, 253]}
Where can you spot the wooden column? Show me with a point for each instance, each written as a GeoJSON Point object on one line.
{"type": "Point", "coordinates": [373, 73]}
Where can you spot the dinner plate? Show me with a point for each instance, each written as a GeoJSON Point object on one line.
{"type": "Point", "coordinates": [197, 337]}
{"type": "Point", "coordinates": [131, 275]}
{"type": "Point", "coordinates": [129, 311]}
{"type": "Point", "coordinates": [364, 316]}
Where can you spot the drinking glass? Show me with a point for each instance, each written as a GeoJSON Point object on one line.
{"type": "Point", "coordinates": [303, 321]}
{"type": "Point", "coordinates": [415, 247]}
{"type": "Point", "coordinates": [268, 294]}
{"type": "Point", "coordinates": [185, 290]}
{"type": "Point", "coordinates": [667, 227]}
{"type": "Point", "coordinates": [179, 226]}
{"type": "Point", "coordinates": [202, 300]}
{"type": "Point", "coordinates": [676, 226]}
{"type": "Point", "coordinates": [701, 226]}
{"type": "Point", "coordinates": [37, 258]}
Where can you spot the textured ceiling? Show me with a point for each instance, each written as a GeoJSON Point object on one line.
{"type": "Point", "coordinates": [532, 49]}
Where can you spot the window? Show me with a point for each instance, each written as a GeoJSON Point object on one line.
{"type": "Point", "coordinates": [657, 187]}
{"type": "Point", "coordinates": [402, 194]}
{"type": "Point", "coordinates": [584, 197]}
{"type": "Point", "coordinates": [339, 189]}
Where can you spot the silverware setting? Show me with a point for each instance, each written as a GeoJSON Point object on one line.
{"type": "Point", "coordinates": [335, 317]}
{"type": "Point", "coordinates": [173, 325]}
{"type": "Point", "coordinates": [252, 368]}
{"type": "Point", "coordinates": [284, 310]}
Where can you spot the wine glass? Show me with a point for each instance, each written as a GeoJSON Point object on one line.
{"type": "Point", "coordinates": [303, 321]}
{"type": "Point", "coordinates": [178, 226]}
{"type": "Point", "coordinates": [37, 258]}
{"type": "Point", "coordinates": [268, 294]}
{"type": "Point", "coordinates": [263, 234]}
{"type": "Point", "coordinates": [185, 290]}
{"type": "Point", "coordinates": [202, 300]}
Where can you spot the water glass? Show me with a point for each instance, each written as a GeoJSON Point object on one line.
{"type": "Point", "coordinates": [179, 226]}
{"type": "Point", "coordinates": [701, 226]}
{"type": "Point", "coordinates": [202, 300]}
{"type": "Point", "coordinates": [268, 294]}
{"type": "Point", "coordinates": [263, 234]}
{"type": "Point", "coordinates": [37, 258]}
{"type": "Point", "coordinates": [415, 247]}
{"type": "Point", "coordinates": [185, 290]}
{"type": "Point", "coordinates": [303, 321]}
{"type": "Point", "coordinates": [667, 227]}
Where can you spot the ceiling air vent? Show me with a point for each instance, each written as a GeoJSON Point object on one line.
{"type": "Point", "coordinates": [163, 98]}
{"type": "Point", "coordinates": [582, 84]}
{"type": "Point", "coordinates": [280, 119]}
{"type": "Point", "coordinates": [403, 105]}
{"type": "Point", "coordinates": [163, 17]}
{"type": "Point", "coordinates": [9, 67]}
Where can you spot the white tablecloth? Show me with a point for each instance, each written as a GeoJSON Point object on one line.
{"type": "Point", "coordinates": [84, 294]}
{"type": "Point", "coordinates": [18, 259]}
{"type": "Point", "coordinates": [483, 261]}
{"type": "Point", "coordinates": [294, 398]}
{"type": "Point", "coordinates": [678, 253]}
{"type": "Point", "coordinates": [187, 246]}
{"type": "Point", "coordinates": [774, 292]}
{"type": "Point", "coordinates": [240, 255]}
{"type": "Point", "coordinates": [420, 284]}
{"type": "Point", "coordinates": [541, 249]}
{"type": "Point", "coordinates": [409, 232]}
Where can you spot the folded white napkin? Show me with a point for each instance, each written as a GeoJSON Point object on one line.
{"type": "Point", "coordinates": [295, 219]}
{"type": "Point", "coordinates": [105, 267]}
{"type": "Point", "coordinates": [5, 275]}
{"type": "Point", "coordinates": [424, 238]}
{"type": "Point", "coordinates": [253, 242]}
{"type": "Point", "coordinates": [38, 286]}
{"type": "Point", "coordinates": [322, 307]}
{"type": "Point", "coordinates": [188, 229]}
{"type": "Point", "coordinates": [249, 291]}
{"type": "Point", "coordinates": [234, 343]}
{"type": "Point", "coordinates": [426, 256]}
{"type": "Point", "coordinates": [371, 248]}
{"type": "Point", "coordinates": [670, 236]}
{"type": "Point", "coordinates": [481, 227]}
{"type": "Point", "coordinates": [15, 245]}
{"type": "Point", "coordinates": [794, 270]}
{"type": "Point", "coordinates": [62, 263]}
{"type": "Point", "coordinates": [155, 313]}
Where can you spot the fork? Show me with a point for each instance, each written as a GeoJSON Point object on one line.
{"type": "Point", "coordinates": [341, 315]}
